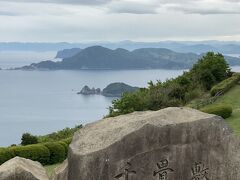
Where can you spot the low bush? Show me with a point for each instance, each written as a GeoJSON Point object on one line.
{"type": "Point", "coordinates": [222, 110]}
{"type": "Point", "coordinates": [65, 147]}
{"type": "Point", "coordinates": [36, 152]}
{"type": "Point", "coordinates": [5, 155]}
{"type": "Point", "coordinates": [225, 85]}
{"type": "Point", "coordinates": [47, 153]}
{"type": "Point", "coordinates": [57, 152]}
{"type": "Point", "coordinates": [59, 135]}
{"type": "Point", "coordinates": [67, 141]}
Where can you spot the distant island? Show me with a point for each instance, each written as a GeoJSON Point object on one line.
{"type": "Point", "coordinates": [66, 53]}
{"type": "Point", "coordinates": [101, 58]}
{"type": "Point", "coordinates": [89, 91]}
{"type": "Point", "coordinates": [112, 90]}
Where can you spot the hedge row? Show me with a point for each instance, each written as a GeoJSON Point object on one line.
{"type": "Point", "coordinates": [57, 152]}
{"type": "Point", "coordinates": [222, 110]}
{"type": "Point", "coordinates": [46, 153]}
{"type": "Point", "coordinates": [36, 152]}
{"type": "Point", "coordinates": [225, 85]}
{"type": "Point", "coordinates": [5, 155]}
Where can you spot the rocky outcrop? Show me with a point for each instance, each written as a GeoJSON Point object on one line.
{"type": "Point", "coordinates": [22, 169]}
{"type": "Point", "coordinates": [170, 144]}
{"type": "Point", "coordinates": [88, 91]}
{"type": "Point", "coordinates": [112, 90]}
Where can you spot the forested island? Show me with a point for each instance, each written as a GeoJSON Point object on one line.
{"type": "Point", "coordinates": [112, 90]}
{"type": "Point", "coordinates": [101, 58]}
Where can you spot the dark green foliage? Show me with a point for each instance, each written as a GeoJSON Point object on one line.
{"type": "Point", "coordinates": [6, 154]}
{"type": "Point", "coordinates": [222, 110]}
{"type": "Point", "coordinates": [28, 139]}
{"type": "Point", "coordinates": [34, 152]}
{"type": "Point", "coordinates": [65, 145]}
{"type": "Point", "coordinates": [131, 102]}
{"type": "Point", "coordinates": [47, 153]}
{"type": "Point", "coordinates": [225, 85]}
{"type": "Point", "coordinates": [59, 135]}
{"type": "Point", "coordinates": [52, 152]}
{"type": "Point", "coordinates": [57, 152]}
{"type": "Point", "coordinates": [209, 70]}
{"type": "Point", "coordinates": [67, 141]}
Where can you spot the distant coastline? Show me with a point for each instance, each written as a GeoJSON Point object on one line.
{"type": "Point", "coordinates": [101, 58]}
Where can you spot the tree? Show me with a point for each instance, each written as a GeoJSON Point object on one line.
{"type": "Point", "coordinates": [210, 69]}
{"type": "Point", "coordinates": [27, 139]}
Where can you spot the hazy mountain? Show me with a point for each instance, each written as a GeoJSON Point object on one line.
{"type": "Point", "coordinates": [98, 57]}
{"type": "Point", "coordinates": [66, 53]}
{"type": "Point", "coordinates": [225, 47]}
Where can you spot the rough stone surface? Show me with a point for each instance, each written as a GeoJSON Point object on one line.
{"type": "Point", "coordinates": [170, 144]}
{"type": "Point", "coordinates": [22, 169]}
{"type": "Point", "coordinates": [61, 172]}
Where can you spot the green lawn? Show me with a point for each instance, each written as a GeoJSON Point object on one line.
{"type": "Point", "coordinates": [232, 97]}
{"type": "Point", "coordinates": [50, 168]}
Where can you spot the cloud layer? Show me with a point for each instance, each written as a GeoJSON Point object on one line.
{"type": "Point", "coordinates": [78, 2]}
{"type": "Point", "coordinates": [97, 20]}
{"type": "Point", "coordinates": [154, 6]}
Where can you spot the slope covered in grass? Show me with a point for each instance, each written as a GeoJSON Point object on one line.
{"type": "Point", "coordinates": [232, 97]}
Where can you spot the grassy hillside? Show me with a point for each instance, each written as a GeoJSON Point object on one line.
{"type": "Point", "coordinates": [206, 73]}
{"type": "Point", "coordinates": [232, 97]}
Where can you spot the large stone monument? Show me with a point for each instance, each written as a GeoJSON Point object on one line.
{"type": "Point", "coordinates": [170, 144]}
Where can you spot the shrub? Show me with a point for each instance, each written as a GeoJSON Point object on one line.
{"type": "Point", "coordinates": [59, 135]}
{"type": "Point", "coordinates": [57, 152]}
{"type": "Point", "coordinates": [28, 139]}
{"type": "Point", "coordinates": [222, 110]}
{"type": "Point", "coordinates": [67, 141]}
{"type": "Point", "coordinates": [192, 94]}
{"type": "Point", "coordinates": [5, 155]}
{"type": "Point", "coordinates": [36, 152]}
{"type": "Point", "coordinates": [65, 145]}
{"type": "Point", "coordinates": [225, 85]}
{"type": "Point", "coordinates": [210, 69]}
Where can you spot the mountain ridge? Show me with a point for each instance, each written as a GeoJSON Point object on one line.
{"type": "Point", "coordinates": [98, 57]}
{"type": "Point", "coordinates": [224, 47]}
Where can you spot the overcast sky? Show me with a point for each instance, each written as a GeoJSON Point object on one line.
{"type": "Point", "coordinates": [115, 20]}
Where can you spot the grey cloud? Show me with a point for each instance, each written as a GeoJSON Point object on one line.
{"type": "Point", "coordinates": [77, 2]}
{"type": "Point", "coordinates": [133, 7]}
{"type": "Point", "coordinates": [206, 7]}
{"type": "Point", "coordinates": [5, 13]}
{"type": "Point", "coordinates": [203, 7]}
{"type": "Point", "coordinates": [207, 11]}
